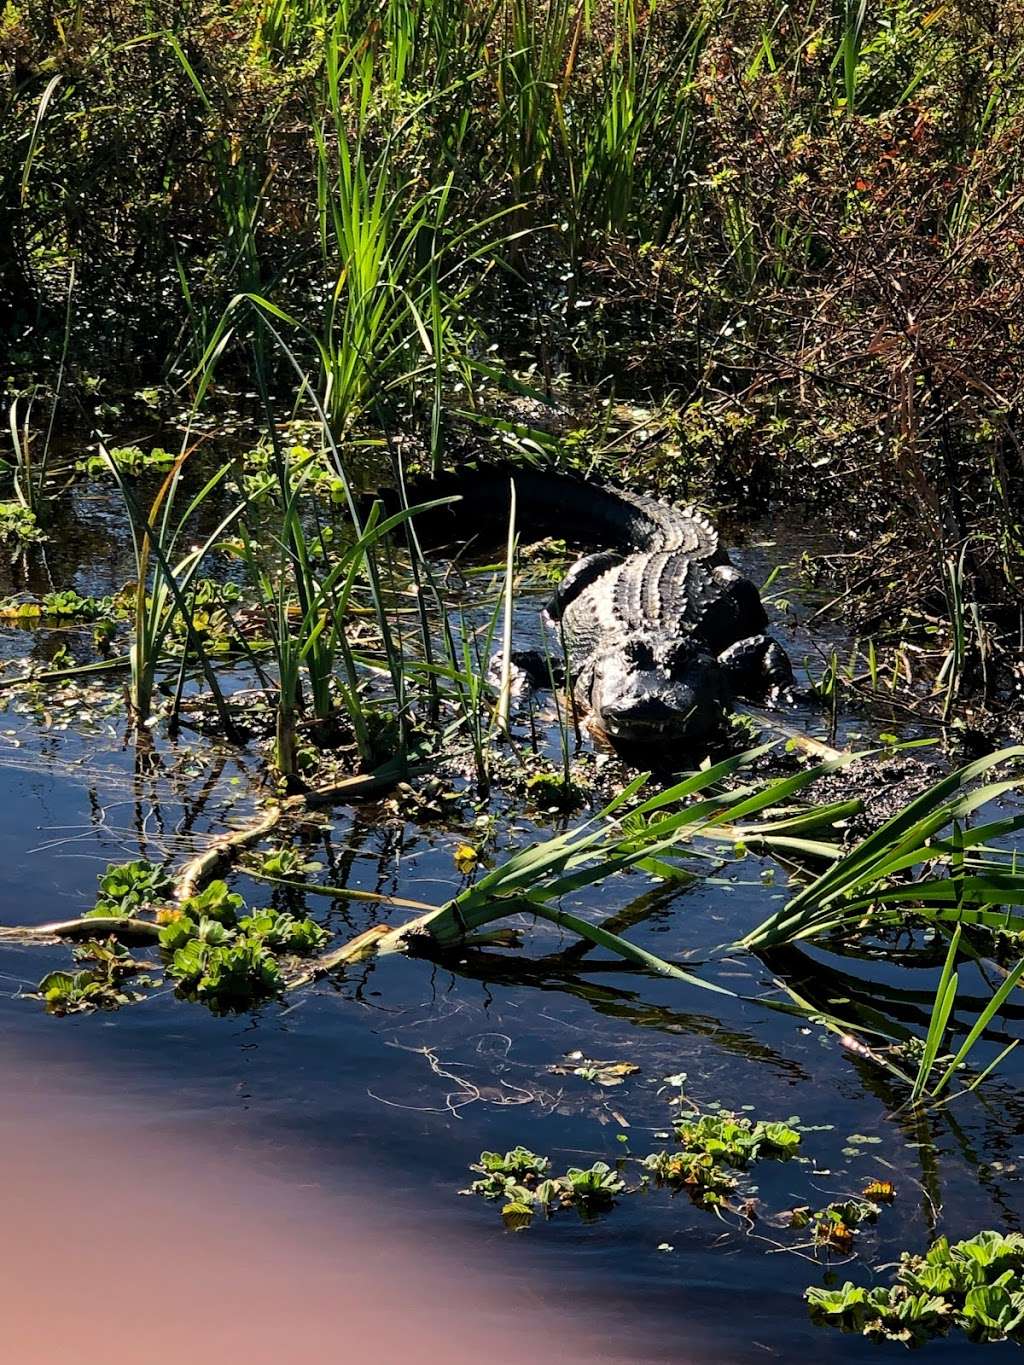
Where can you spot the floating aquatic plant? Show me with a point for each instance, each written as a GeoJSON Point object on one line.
{"type": "Point", "coordinates": [523, 1181]}
{"type": "Point", "coordinates": [976, 1285]}
{"type": "Point", "coordinates": [126, 887]}
{"type": "Point", "coordinates": [18, 525]}
{"type": "Point", "coordinates": [713, 1147]}
{"type": "Point", "coordinates": [284, 932]}
{"type": "Point", "coordinates": [128, 459]}
{"type": "Point", "coordinates": [67, 605]}
{"type": "Point", "coordinates": [212, 950]}
{"type": "Point", "coordinates": [520, 1166]}
{"type": "Point", "coordinates": [215, 901]}
{"type": "Point", "coordinates": [226, 976]}
{"type": "Point", "coordinates": [286, 862]}
{"type": "Point", "coordinates": [835, 1227]}
{"type": "Point", "coordinates": [103, 984]}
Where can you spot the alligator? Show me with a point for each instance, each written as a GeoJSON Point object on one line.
{"type": "Point", "coordinates": [661, 632]}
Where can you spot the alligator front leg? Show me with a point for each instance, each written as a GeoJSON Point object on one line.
{"type": "Point", "coordinates": [531, 670]}
{"type": "Point", "coordinates": [758, 667]}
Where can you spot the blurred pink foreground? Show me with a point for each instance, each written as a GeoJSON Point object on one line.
{"type": "Point", "coordinates": [131, 1241]}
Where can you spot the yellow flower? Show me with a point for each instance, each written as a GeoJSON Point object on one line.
{"type": "Point", "coordinates": [465, 857]}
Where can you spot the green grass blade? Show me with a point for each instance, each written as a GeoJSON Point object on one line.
{"type": "Point", "coordinates": [945, 998]}
{"type": "Point", "coordinates": [980, 1025]}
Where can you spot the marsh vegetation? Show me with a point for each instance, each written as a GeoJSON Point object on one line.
{"type": "Point", "coordinates": [267, 272]}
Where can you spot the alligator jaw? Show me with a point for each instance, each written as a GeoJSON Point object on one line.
{"type": "Point", "coordinates": [650, 744]}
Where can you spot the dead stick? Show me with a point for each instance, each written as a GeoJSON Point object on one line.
{"type": "Point", "coordinates": [221, 853]}
{"type": "Point", "coordinates": [201, 869]}
{"type": "Point", "coordinates": [339, 892]}
{"type": "Point", "coordinates": [802, 740]}
{"type": "Point", "coordinates": [89, 926]}
{"type": "Point", "coordinates": [355, 950]}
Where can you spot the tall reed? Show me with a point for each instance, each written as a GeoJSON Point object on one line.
{"type": "Point", "coordinates": [396, 262]}
{"type": "Point", "coordinates": [162, 580]}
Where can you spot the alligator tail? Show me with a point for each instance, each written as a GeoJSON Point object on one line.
{"type": "Point", "coordinates": [546, 504]}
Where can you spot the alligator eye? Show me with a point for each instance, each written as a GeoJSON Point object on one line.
{"type": "Point", "coordinates": [639, 653]}
{"type": "Point", "coordinates": [680, 656]}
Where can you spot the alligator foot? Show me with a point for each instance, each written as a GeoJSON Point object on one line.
{"type": "Point", "coordinates": [530, 671]}
{"type": "Point", "coordinates": [759, 668]}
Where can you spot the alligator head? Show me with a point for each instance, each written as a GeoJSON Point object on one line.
{"type": "Point", "coordinates": [650, 689]}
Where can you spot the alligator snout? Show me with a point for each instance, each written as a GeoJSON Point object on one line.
{"type": "Point", "coordinates": [649, 713]}
{"type": "Point", "coordinates": [655, 709]}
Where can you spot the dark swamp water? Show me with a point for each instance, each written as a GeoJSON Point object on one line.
{"type": "Point", "coordinates": [293, 1173]}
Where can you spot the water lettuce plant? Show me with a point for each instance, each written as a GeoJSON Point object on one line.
{"type": "Point", "coordinates": [522, 1180]}
{"type": "Point", "coordinates": [225, 975]}
{"type": "Point", "coordinates": [128, 459]}
{"type": "Point", "coordinates": [713, 1147]}
{"type": "Point", "coordinates": [102, 984]}
{"type": "Point", "coordinates": [18, 525]}
{"type": "Point", "coordinates": [215, 901]}
{"type": "Point", "coordinates": [211, 949]}
{"type": "Point", "coordinates": [224, 970]}
{"type": "Point", "coordinates": [520, 1165]}
{"type": "Point", "coordinates": [284, 932]}
{"type": "Point", "coordinates": [227, 961]}
{"type": "Point", "coordinates": [834, 1228]}
{"type": "Point", "coordinates": [127, 887]}
{"type": "Point", "coordinates": [66, 605]}
{"type": "Point", "coordinates": [285, 862]}
{"type": "Point", "coordinates": [976, 1286]}
{"type": "Point", "coordinates": [735, 1140]}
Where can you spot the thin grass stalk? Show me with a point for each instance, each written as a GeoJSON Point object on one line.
{"type": "Point", "coordinates": [954, 665]}
{"type": "Point", "coordinates": [980, 1025]}
{"type": "Point", "coordinates": [849, 50]}
{"type": "Point", "coordinates": [560, 719]}
{"type": "Point", "coordinates": [505, 687]}
{"type": "Point", "coordinates": [421, 578]}
{"type": "Point", "coordinates": [35, 133]}
{"type": "Point", "coordinates": [39, 499]}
